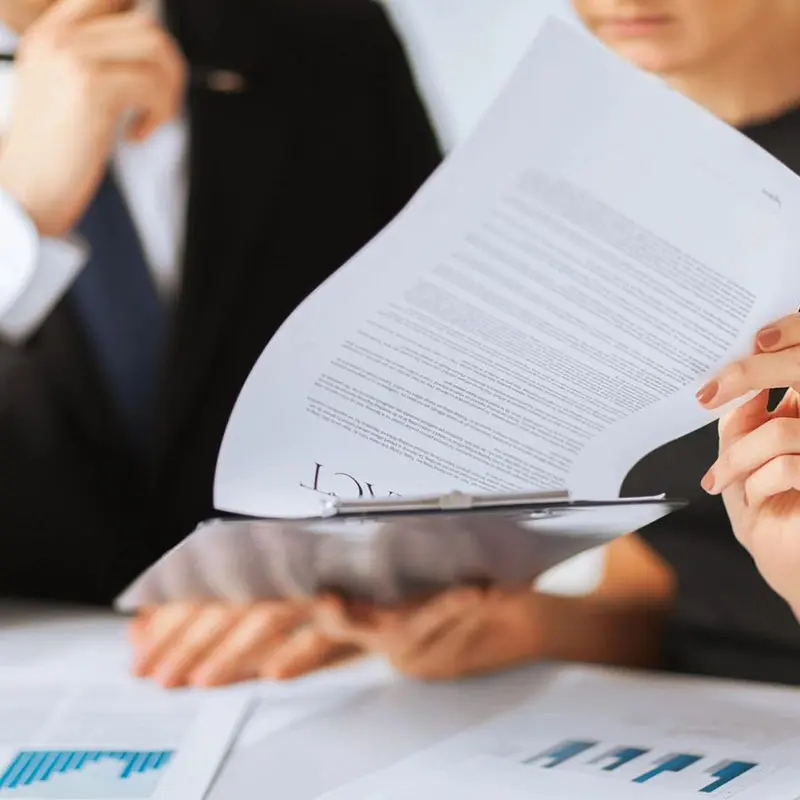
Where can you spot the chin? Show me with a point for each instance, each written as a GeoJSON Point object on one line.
{"type": "Point", "coordinates": [649, 57]}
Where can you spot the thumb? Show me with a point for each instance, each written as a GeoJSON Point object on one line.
{"type": "Point", "coordinates": [743, 420]}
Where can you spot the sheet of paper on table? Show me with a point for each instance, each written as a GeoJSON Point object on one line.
{"type": "Point", "coordinates": [100, 741]}
{"type": "Point", "coordinates": [597, 734]}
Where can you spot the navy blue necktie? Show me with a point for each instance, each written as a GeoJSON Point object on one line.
{"type": "Point", "coordinates": [117, 304]}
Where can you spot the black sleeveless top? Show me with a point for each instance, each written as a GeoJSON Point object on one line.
{"type": "Point", "coordinates": [726, 622]}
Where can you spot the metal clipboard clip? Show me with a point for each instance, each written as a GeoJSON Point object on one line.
{"type": "Point", "coordinates": [452, 502]}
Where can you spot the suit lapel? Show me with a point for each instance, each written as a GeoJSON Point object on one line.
{"type": "Point", "coordinates": [235, 174]}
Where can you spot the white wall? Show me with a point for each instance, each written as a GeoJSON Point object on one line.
{"type": "Point", "coordinates": [463, 51]}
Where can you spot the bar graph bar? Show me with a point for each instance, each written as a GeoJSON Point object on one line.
{"type": "Point", "coordinates": [561, 753]}
{"type": "Point", "coordinates": [619, 757]}
{"type": "Point", "coordinates": [727, 772]}
{"type": "Point", "coordinates": [83, 773]}
{"type": "Point", "coordinates": [641, 764]}
{"type": "Point", "coordinates": [677, 762]}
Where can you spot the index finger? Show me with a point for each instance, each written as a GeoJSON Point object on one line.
{"type": "Point", "coordinates": [68, 12]}
{"type": "Point", "coordinates": [775, 370]}
{"type": "Point", "coordinates": [779, 335]}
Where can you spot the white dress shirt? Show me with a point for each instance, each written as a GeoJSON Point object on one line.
{"type": "Point", "coordinates": [36, 271]}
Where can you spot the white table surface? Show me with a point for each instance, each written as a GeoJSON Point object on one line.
{"type": "Point", "coordinates": [304, 737]}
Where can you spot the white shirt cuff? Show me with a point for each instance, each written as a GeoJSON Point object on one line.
{"type": "Point", "coordinates": [35, 272]}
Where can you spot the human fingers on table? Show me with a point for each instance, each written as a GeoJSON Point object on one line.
{"type": "Point", "coordinates": [774, 364]}
{"type": "Point", "coordinates": [171, 660]}
{"type": "Point", "coordinates": [776, 438]}
{"type": "Point", "coordinates": [461, 648]}
{"type": "Point", "coordinates": [429, 622]}
{"type": "Point", "coordinates": [163, 626]}
{"type": "Point", "coordinates": [399, 630]}
{"type": "Point", "coordinates": [498, 631]}
{"type": "Point", "coordinates": [138, 625]}
{"type": "Point", "coordinates": [307, 650]}
{"type": "Point", "coordinates": [236, 657]}
{"type": "Point", "coordinates": [346, 623]}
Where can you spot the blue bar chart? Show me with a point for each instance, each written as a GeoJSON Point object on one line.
{"type": "Point", "coordinates": [642, 765]}
{"type": "Point", "coordinates": [619, 757]}
{"type": "Point", "coordinates": [84, 774]}
{"type": "Point", "coordinates": [560, 753]}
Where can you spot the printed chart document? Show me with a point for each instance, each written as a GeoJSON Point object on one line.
{"type": "Point", "coordinates": [598, 734]}
{"type": "Point", "coordinates": [113, 741]}
{"type": "Point", "coordinates": [539, 318]}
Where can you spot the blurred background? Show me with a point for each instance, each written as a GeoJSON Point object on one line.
{"type": "Point", "coordinates": [465, 50]}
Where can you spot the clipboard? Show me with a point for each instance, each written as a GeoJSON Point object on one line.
{"type": "Point", "coordinates": [388, 551]}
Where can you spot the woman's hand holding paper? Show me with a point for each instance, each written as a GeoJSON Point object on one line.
{"type": "Point", "coordinates": [465, 631]}
{"type": "Point", "coordinates": [758, 470]}
{"type": "Point", "coordinates": [468, 630]}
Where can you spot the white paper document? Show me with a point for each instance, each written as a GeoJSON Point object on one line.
{"type": "Point", "coordinates": [278, 706]}
{"type": "Point", "coordinates": [539, 318]}
{"type": "Point", "coordinates": [597, 734]}
{"type": "Point", "coordinates": [105, 742]}
{"type": "Point", "coordinates": [542, 313]}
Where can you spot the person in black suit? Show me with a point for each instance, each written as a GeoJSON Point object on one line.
{"type": "Point", "coordinates": [169, 192]}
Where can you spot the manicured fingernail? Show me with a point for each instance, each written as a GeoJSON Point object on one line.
{"type": "Point", "coordinates": [768, 337]}
{"type": "Point", "coordinates": [708, 392]}
{"type": "Point", "coordinates": [708, 482]}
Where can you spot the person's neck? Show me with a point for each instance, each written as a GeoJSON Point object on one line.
{"type": "Point", "coordinates": [759, 82]}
